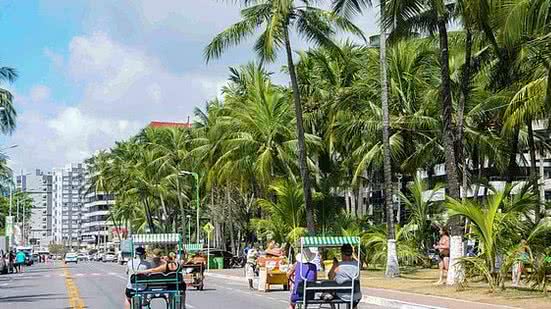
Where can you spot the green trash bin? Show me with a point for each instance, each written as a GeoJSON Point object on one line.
{"type": "Point", "coordinates": [217, 263]}
{"type": "Point", "coordinates": [212, 263]}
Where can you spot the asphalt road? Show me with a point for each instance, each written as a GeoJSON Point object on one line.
{"type": "Point", "coordinates": [98, 285]}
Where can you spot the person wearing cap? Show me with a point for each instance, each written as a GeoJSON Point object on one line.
{"type": "Point", "coordinates": [346, 271]}
{"type": "Point", "coordinates": [303, 268]}
{"type": "Point", "coordinates": [137, 264]}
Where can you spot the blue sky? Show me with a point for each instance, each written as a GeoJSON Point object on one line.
{"type": "Point", "coordinates": [95, 71]}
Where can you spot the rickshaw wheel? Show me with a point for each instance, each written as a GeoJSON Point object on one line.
{"type": "Point", "coordinates": [200, 287]}
{"type": "Point", "coordinates": [136, 302]}
{"type": "Point", "coordinates": [179, 301]}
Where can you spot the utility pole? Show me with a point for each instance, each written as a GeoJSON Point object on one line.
{"type": "Point", "coordinates": [196, 177]}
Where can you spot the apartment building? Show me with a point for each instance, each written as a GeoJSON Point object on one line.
{"type": "Point", "coordinates": [67, 200]}
{"type": "Point", "coordinates": [38, 230]}
{"type": "Point", "coordinates": [96, 228]}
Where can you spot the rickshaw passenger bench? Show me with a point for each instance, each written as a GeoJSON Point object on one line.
{"type": "Point", "coordinates": [160, 281]}
{"type": "Point", "coordinates": [326, 286]}
{"type": "Point", "coordinates": [160, 285]}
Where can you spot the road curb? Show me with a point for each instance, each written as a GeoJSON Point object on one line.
{"type": "Point", "coordinates": [371, 300]}
{"type": "Point", "coordinates": [395, 304]}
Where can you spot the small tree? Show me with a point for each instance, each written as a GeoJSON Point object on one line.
{"type": "Point", "coordinates": [57, 249]}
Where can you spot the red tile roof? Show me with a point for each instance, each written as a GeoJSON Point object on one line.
{"type": "Point", "coordinates": [163, 124]}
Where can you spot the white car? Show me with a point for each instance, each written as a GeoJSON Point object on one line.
{"type": "Point", "coordinates": [83, 257]}
{"type": "Point", "coordinates": [71, 258]}
{"type": "Point", "coordinates": [109, 257]}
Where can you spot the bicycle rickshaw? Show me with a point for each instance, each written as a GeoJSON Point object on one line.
{"type": "Point", "coordinates": [170, 286]}
{"type": "Point", "coordinates": [194, 272]}
{"type": "Point", "coordinates": [309, 291]}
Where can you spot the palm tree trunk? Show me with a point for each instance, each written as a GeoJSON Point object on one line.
{"type": "Point", "coordinates": [512, 169]}
{"type": "Point", "coordinates": [533, 169]}
{"type": "Point", "coordinates": [456, 230]}
{"type": "Point", "coordinates": [392, 266]}
{"type": "Point", "coordinates": [165, 214]}
{"type": "Point", "coordinates": [230, 217]}
{"type": "Point", "coordinates": [465, 82]}
{"type": "Point", "coordinates": [148, 216]}
{"type": "Point", "coordinates": [303, 165]}
{"type": "Point", "coordinates": [447, 126]}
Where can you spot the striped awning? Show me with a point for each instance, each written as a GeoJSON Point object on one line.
{"type": "Point", "coordinates": [193, 247]}
{"type": "Point", "coordinates": [329, 241]}
{"type": "Point", "coordinates": [168, 238]}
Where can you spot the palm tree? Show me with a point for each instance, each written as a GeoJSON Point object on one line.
{"type": "Point", "coordinates": [287, 215]}
{"type": "Point", "coordinates": [422, 209]}
{"type": "Point", "coordinates": [278, 18]}
{"type": "Point", "coordinates": [526, 29]}
{"type": "Point", "coordinates": [7, 114]}
{"type": "Point", "coordinates": [497, 224]}
{"type": "Point", "coordinates": [348, 7]}
{"type": "Point", "coordinates": [171, 157]}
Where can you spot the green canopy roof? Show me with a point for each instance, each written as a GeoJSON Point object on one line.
{"type": "Point", "coordinates": [168, 238]}
{"type": "Point", "coordinates": [329, 241]}
{"type": "Point", "coordinates": [193, 247]}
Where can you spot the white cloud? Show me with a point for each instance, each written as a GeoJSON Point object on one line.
{"type": "Point", "coordinates": [135, 61]}
{"type": "Point", "coordinates": [123, 89]}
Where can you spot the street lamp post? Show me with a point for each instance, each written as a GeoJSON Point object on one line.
{"type": "Point", "coordinates": [196, 176]}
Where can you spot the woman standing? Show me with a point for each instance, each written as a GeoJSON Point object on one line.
{"type": "Point", "coordinates": [443, 247]}
{"type": "Point", "coordinates": [250, 266]}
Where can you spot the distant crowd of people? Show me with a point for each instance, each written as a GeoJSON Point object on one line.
{"type": "Point", "coordinates": [13, 261]}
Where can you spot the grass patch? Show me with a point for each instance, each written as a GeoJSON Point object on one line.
{"type": "Point", "coordinates": [421, 281]}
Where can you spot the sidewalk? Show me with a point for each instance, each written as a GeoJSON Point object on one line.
{"type": "Point", "coordinates": [388, 298]}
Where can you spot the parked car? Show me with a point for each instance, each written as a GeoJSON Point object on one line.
{"type": "Point", "coordinates": [71, 258]}
{"type": "Point", "coordinates": [109, 257]}
{"type": "Point", "coordinates": [83, 257]}
{"type": "Point", "coordinates": [98, 257]}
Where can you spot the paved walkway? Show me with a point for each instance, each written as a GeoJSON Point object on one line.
{"type": "Point", "coordinates": [389, 298]}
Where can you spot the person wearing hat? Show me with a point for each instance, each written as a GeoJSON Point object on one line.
{"type": "Point", "coordinates": [303, 268]}
{"type": "Point", "coordinates": [137, 264]}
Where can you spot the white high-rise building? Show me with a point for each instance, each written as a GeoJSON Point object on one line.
{"type": "Point", "coordinates": [67, 200]}
{"type": "Point", "coordinates": [97, 230]}
{"type": "Point", "coordinates": [38, 229]}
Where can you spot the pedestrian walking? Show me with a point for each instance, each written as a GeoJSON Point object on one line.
{"type": "Point", "coordinates": [443, 248]}
{"type": "Point", "coordinates": [518, 266]}
{"type": "Point", "coordinates": [19, 261]}
{"type": "Point", "coordinates": [250, 266]}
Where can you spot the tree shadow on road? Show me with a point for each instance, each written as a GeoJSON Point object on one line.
{"type": "Point", "coordinates": [31, 298]}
